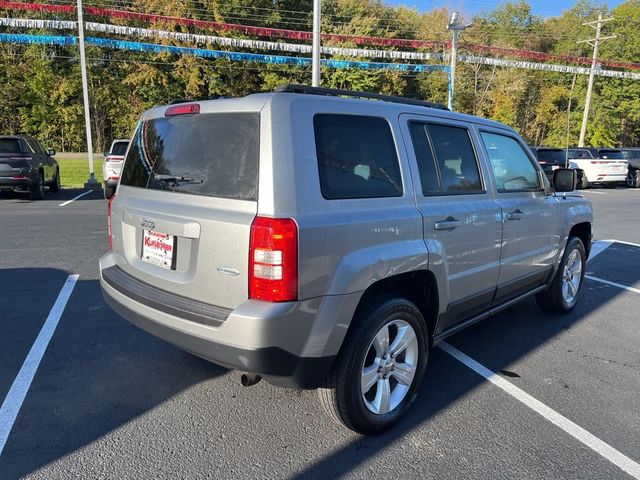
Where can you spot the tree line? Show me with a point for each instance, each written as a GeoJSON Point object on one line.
{"type": "Point", "coordinates": [42, 91]}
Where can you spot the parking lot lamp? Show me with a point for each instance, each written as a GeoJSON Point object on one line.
{"type": "Point", "coordinates": [91, 182]}
{"type": "Point", "coordinates": [455, 26]}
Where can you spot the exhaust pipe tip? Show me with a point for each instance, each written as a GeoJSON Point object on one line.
{"type": "Point", "coordinates": [248, 379]}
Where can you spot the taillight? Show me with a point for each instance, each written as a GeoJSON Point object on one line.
{"type": "Point", "coordinates": [183, 109]}
{"type": "Point", "coordinates": [109, 222]}
{"type": "Point", "coordinates": [273, 259]}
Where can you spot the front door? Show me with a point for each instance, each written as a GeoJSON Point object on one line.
{"type": "Point", "coordinates": [529, 215]}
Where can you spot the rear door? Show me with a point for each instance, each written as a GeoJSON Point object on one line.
{"type": "Point", "coordinates": [529, 215]}
{"type": "Point", "coordinates": [186, 201]}
{"type": "Point", "coordinates": [461, 219]}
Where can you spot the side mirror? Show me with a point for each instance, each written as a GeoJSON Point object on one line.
{"type": "Point", "coordinates": [564, 180]}
{"type": "Point", "coordinates": [51, 152]}
{"type": "Point", "coordinates": [105, 154]}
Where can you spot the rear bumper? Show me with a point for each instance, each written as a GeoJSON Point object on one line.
{"type": "Point", "coordinates": [261, 337]}
{"type": "Point", "coordinates": [606, 177]}
{"type": "Point", "coordinates": [10, 183]}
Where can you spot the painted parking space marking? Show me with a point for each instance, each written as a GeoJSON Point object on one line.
{"type": "Point", "coordinates": [18, 391]}
{"type": "Point", "coordinates": [64, 204]}
{"type": "Point", "coordinates": [593, 191]}
{"type": "Point", "coordinates": [604, 449]}
{"type": "Point", "coordinates": [612, 284]}
{"type": "Point", "coordinates": [598, 247]}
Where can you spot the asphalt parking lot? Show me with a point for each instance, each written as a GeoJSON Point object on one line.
{"type": "Point", "coordinates": [110, 401]}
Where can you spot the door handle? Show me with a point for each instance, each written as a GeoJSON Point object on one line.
{"type": "Point", "coordinates": [447, 224]}
{"type": "Point", "coordinates": [515, 215]}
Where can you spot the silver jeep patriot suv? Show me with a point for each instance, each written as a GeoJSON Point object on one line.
{"type": "Point", "coordinates": [328, 239]}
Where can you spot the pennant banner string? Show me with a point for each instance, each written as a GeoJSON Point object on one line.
{"type": "Point", "coordinates": [305, 35]}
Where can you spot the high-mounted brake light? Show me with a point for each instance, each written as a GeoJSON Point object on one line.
{"type": "Point", "coordinates": [109, 223]}
{"type": "Point", "coordinates": [273, 259]}
{"type": "Point", "coordinates": [183, 109]}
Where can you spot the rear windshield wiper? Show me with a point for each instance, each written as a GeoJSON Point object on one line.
{"type": "Point", "coordinates": [175, 179]}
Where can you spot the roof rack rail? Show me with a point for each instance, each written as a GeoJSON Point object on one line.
{"type": "Point", "coordinates": [337, 92]}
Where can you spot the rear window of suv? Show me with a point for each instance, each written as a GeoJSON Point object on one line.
{"type": "Point", "coordinates": [551, 155]}
{"type": "Point", "coordinates": [213, 154]}
{"type": "Point", "coordinates": [9, 145]}
{"type": "Point", "coordinates": [356, 157]}
{"type": "Point", "coordinates": [612, 154]}
{"type": "Point", "coordinates": [119, 148]}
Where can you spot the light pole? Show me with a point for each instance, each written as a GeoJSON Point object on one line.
{"type": "Point", "coordinates": [91, 182]}
{"type": "Point", "coordinates": [315, 57]}
{"type": "Point", "coordinates": [455, 26]}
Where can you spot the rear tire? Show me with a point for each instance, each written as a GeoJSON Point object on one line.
{"type": "Point", "coordinates": [55, 184]}
{"type": "Point", "coordinates": [109, 191]}
{"type": "Point", "coordinates": [633, 179]}
{"type": "Point", "coordinates": [563, 293]}
{"type": "Point", "coordinates": [37, 188]}
{"type": "Point", "coordinates": [583, 183]}
{"type": "Point", "coordinates": [390, 370]}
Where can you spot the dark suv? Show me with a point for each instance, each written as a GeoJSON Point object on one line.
{"type": "Point", "coordinates": [551, 159]}
{"type": "Point", "coordinates": [25, 165]}
{"type": "Point", "coordinates": [632, 155]}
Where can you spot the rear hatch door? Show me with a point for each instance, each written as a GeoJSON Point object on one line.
{"type": "Point", "coordinates": [187, 198]}
{"type": "Point", "coordinates": [612, 162]}
{"type": "Point", "coordinates": [12, 160]}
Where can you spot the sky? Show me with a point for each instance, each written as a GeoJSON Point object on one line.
{"type": "Point", "coordinates": [544, 8]}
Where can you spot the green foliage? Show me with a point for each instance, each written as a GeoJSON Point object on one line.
{"type": "Point", "coordinates": [42, 95]}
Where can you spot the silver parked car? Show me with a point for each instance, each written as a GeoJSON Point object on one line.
{"type": "Point", "coordinates": [324, 241]}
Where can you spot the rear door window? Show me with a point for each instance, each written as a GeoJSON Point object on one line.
{"type": "Point", "coordinates": [429, 177]}
{"type": "Point", "coordinates": [455, 158]}
{"type": "Point", "coordinates": [356, 157]}
{"type": "Point", "coordinates": [213, 154]}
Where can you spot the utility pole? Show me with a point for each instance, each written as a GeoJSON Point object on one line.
{"type": "Point", "coordinates": [91, 182]}
{"type": "Point", "coordinates": [455, 26]}
{"type": "Point", "coordinates": [595, 43]}
{"type": "Point", "coordinates": [315, 60]}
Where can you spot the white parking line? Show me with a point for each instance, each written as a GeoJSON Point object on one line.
{"type": "Point", "coordinates": [13, 402]}
{"type": "Point", "coordinates": [593, 191]}
{"type": "Point", "coordinates": [607, 451]}
{"type": "Point", "coordinates": [598, 247]}
{"type": "Point", "coordinates": [64, 204]}
{"type": "Point", "coordinates": [612, 284]}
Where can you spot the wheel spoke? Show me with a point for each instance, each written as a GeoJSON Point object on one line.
{"type": "Point", "coordinates": [404, 373]}
{"type": "Point", "coordinates": [382, 402]}
{"type": "Point", "coordinates": [571, 287]}
{"type": "Point", "coordinates": [381, 341]}
{"type": "Point", "coordinates": [406, 336]}
{"type": "Point", "coordinates": [369, 377]}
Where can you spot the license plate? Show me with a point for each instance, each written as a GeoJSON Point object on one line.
{"type": "Point", "coordinates": [159, 249]}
